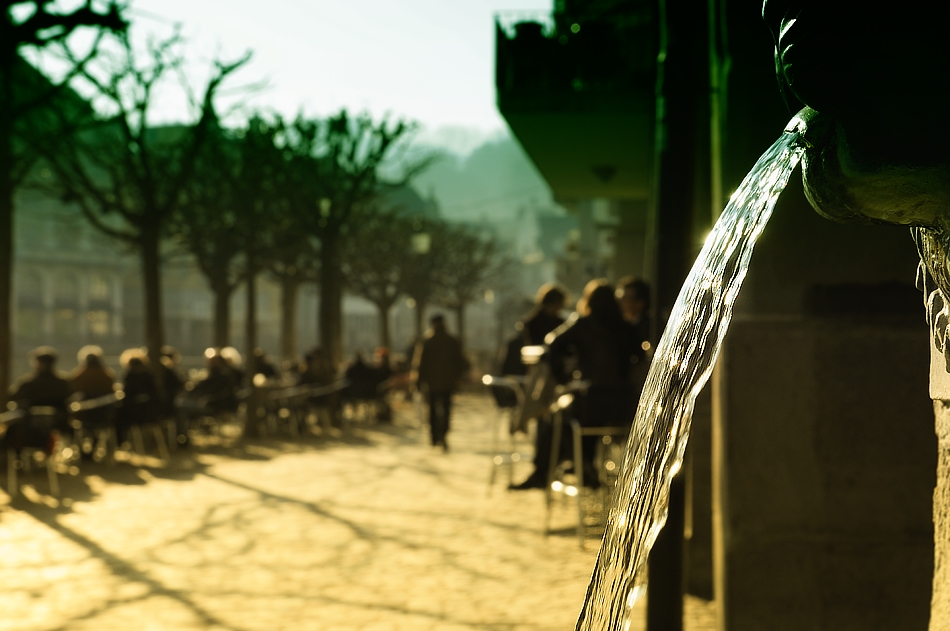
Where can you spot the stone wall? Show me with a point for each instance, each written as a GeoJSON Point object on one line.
{"type": "Point", "coordinates": [827, 469]}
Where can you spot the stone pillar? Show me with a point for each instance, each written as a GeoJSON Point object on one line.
{"type": "Point", "coordinates": [825, 454]}
{"type": "Point", "coordinates": [698, 544]}
{"type": "Point", "coordinates": [940, 391]}
{"type": "Point", "coordinates": [940, 603]}
{"type": "Point", "coordinates": [825, 478]}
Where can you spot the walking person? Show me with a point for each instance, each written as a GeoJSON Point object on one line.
{"type": "Point", "coordinates": [439, 365]}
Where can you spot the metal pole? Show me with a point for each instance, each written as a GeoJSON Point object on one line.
{"type": "Point", "coordinates": [681, 215]}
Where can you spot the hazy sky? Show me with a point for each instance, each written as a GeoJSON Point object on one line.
{"type": "Point", "coordinates": [428, 60]}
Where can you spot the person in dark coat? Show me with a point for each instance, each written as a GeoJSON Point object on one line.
{"type": "Point", "coordinates": [362, 379]}
{"type": "Point", "coordinates": [318, 372]}
{"type": "Point", "coordinates": [172, 382]}
{"type": "Point", "coordinates": [439, 365]}
{"type": "Point", "coordinates": [259, 364]}
{"type": "Point", "coordinates": [172, 385]}
{"type": "Point", "coordinates": [139, 404]}
{"type": "Point", "coordinates": [601, 348]}
{"type": "Point", "coordinates": [217, 392]}
{"type": "Point", "coordinates": [92, 378]}
{"type": "Point", "coordinates": [44, 387]}
{"type": "Point", "coordinates": [316, 369]}
{"type": "Point", "coordinates": [546, 315]}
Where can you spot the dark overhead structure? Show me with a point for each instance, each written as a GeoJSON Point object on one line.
{"type": "Point", "coordinates": [577, 89]}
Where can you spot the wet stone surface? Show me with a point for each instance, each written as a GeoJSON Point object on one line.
{"type": "Point", "coordinates": [366, 530]}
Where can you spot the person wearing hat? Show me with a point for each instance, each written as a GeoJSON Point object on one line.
{"type": "Point", "coordinates": [44, 386]}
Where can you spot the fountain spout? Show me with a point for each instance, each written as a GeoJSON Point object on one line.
{"type": "Point", "coordinates": [880, 135]}
{"type": "Point", "coordinates": [844, 185]}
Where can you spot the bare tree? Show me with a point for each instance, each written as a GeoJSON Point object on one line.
{"type": "Point", "coordinates": [470, 262]}
{"type": "Point", "coordinates": [423, 266]}
{"type": "Point", "coordinates": [204, 226]}
{"type": "Point", "coordinates": [338, 176]}
{"type": "Point", "coordinates": [128, 178]}
{"type": "Point", "coordinates": [293, 260]}
{"type": "Point", "coordinates": [260, 201]}
{"type": "Point", "coordinates": [376, 261]}
{"type": "Point", "coordinates": [26, 98]}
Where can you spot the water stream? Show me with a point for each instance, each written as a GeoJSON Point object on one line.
{"type": "Point", "coordinates": [683, 363]}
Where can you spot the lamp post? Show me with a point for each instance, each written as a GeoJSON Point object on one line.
{"type": "Point", "coordinates": [421, 242]}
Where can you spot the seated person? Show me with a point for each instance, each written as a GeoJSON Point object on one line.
{"type": "Point", "coordinates": [93, 379]}
{"type": "Point", "coordinates": [140, 402]}
{"type": "Point", "coordinates": [171, 386]}
{"type": "Point", "coordinates": [172, 383]}
{"type": "Point", "coordinates": [546, 315]}
{"type": "Point", "coordinates": [603, 348]}
{"type": "Point", "coordinates": [234, 365]}
{"type": "Point", "coordinates": [318, 372]}
{"type": "Point", "coordinates": [217, 392]}
{"type": "Point", "coordinates": [544, 318]}
{"type": "Point", "coordinates": [316, 369]}
{"type": "Point", "coordinates": [382, 375]}
{"type": "Point", "coordinates": [44, 387]}
{"type": "Point", "coordinates": [364, 379]}
{"type": "Point", "coordinates": [260, 365]}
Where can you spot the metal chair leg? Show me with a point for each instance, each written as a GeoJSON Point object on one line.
{"type": "Point", "coordinates": [160, 441]}
{"type": "Point", "coordinates": [51, 475]}
{"type": "Point", "coordinates": [12, 487]}
{"type": "Point", "coordinates": [579, 474]}
{"type": "Point", "coordinates": [137, 442]}
{"type": "Point", "coordinates": [107, 440]}
{"type": "Point", "coordinates": [496, 458]}
{"type": "Point", "coordinates": [171, 428]}
{"type": "Point", "coordinates": [552, 468]}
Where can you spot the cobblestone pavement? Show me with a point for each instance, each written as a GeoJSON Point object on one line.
{"type": "Point", "coordinates": [367, 530]}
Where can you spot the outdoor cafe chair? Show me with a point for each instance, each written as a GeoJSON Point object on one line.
{"type": "Point", "coordinates": [568, 478]}
{"type": "Point", "coordinates": [505, 452]}
{"type": "Point", "coordinates": [95, 418]}
{"type": "Point", "coordinates": [32, 434]}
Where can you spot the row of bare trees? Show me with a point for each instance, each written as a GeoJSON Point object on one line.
{"type": "Point", "coordinates": [430, 262]}
{"type": "Point", "coordinates": [299, 200]}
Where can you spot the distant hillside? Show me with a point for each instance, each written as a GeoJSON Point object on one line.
{"type": "Point", "coordinates": [490, 183]}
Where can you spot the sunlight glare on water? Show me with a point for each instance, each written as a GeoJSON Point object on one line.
{"type": "Point", "coordinates": [683, 362]}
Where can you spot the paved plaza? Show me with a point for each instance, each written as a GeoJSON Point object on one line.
{"type": "Point", "coordinates": [369, 529]}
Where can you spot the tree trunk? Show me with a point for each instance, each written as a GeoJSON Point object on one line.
{"type": "Point", "coordinates": [460, 318]}
{"type": "Point", "coordinates": [289, 290]}
{"type": "Point", "coordinates": [222, 313]}
{"type": "Point", "coordinates": [6, 256]}
{"type": "Point", "coordinates": [331, 300]}
{"type": "Point", "coordinates": [384, 308]}
{"type": "Point", "coordinates": [152, 275]}
{"type": "Point", "coordinates": [250, 314]}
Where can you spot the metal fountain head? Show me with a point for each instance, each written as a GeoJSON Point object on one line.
{"type": "Point", "coordinates": [844, 185]}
